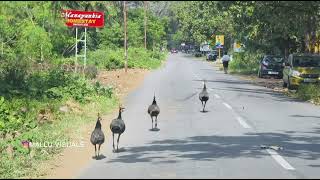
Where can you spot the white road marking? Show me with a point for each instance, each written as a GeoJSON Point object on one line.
{"type": "Point", "coordinates": [227, 105]}
{"type": "Point", "coordinates": [198, 77]}
{"type": "Point", "coordinates": [243, 123]}
{"type": "Point", "coordinates": [280, 159]}
{"type": "Point", "coordinates": [217, 96]}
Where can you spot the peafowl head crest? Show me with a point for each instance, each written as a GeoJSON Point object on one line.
{"type": "Point", "coordinates": [154, 99]}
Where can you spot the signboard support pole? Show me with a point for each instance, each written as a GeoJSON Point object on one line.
{"type": "Point", "coordinates": [85, 49]}
{"type": "Point", "coordinates": [219, 54]}
{"type": "Point", "coordinates": [76, 54]}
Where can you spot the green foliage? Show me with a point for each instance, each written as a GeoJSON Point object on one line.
{"type": "Point", "coordinates": [50, 87]}
{"type": "Point", "coordinates": [112, 36]}
{"type": "Point", "coordinates": [23, 165]}
{"type": "Point", "coordinates": [103, 91]}
{"type": "Point", "coordinates": [13, 74]}
{"type": "Point", "coordinates": [9, 120]}
{"type": "Point", "coordinates": [137, 58]}
{"type": "Point", "coordinates": [91, 72]}
{"type": "Point", "coordinates": [78, 89]}
{"type": "Point", "coordinates": [140, 58]}
{"type": "Point", "coordinates": [33, 42]}
{"type": "Point", "coordinates": [278, 27]}
{"type": "Point", "coordinates": [309, 92]}
{"type": "Point", "coordinates": [245, 62]}
{"type": "Point", "coordinates": [108, 58]}
{"type": "Point", "coordinates": [201, 20]}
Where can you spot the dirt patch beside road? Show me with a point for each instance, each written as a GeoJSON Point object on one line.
{"type": "Point", "coordinates": [72, 160]}
{"type": "Point", "coordinates": [122, 82]}
{"type": "Point", "coordinates": [268, 82]}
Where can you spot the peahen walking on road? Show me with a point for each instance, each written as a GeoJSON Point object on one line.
{"type": "Point", "coordinates": [97, 136]}
{"type": "Point", "coordinates": [117, 126]}
{"type": "Point", "coordinates": [204, 96]}
{"type": "Point", "coordinates": [154, 111]}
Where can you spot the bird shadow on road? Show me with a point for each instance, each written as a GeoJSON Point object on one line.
{"type": "Point", "coordinates": [205, 111]}
{"type": "Point", "coordinates": [224, 81]}
{"type": "Point", "coordinates": [256, 89]}
{"type": "Point", "coordinates": [211, 148]}
{"type": "Point", "coordinates": [188, 97]}
{"type": "Point", "coordinates": [249, 92]}
{"type": "Point", "coordinates": [207, 69]}
{"type": "Point", "coordinates": [303, 116]}
{"type": "Point", "coordinates": [119, 150]}
{"type": "Point", "coordinates": [154, 129]}
{"type": "Point", "coordinates": [100, 157]}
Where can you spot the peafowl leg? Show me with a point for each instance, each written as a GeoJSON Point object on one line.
{"type": "Point", "coordinates": [151, 122]}
{"type": "Point", "coordinates": [118, 143]}
{"type": "Point", "coordinates": [99, 150]}
{"type": "Point", "coordinates": [204, 105]}
{"type": "Point", "coordinates": [156, 122]}
{"type": "Point", "coordinates": [95, 151]}
{"type": "Point", "coordinates": [113, 141]}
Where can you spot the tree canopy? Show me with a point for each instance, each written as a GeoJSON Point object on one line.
{"type": "Point", "coordinates": [270, 26]}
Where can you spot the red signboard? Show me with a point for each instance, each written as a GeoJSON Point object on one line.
{"type": "Point", "coordinates": [83, 18]}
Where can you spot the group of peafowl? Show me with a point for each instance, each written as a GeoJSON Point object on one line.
{"type": "Point", "coordinates": [117, 126]}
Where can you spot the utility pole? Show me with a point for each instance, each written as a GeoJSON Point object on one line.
{"type": "Point", "coordinates": [125, 36]}
{"type": "Point", "coordinates": [76, 53]}
{"type": "Point", "coordinates": [145, 24]}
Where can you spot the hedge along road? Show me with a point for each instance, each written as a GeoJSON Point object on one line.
{"type": "Point", "coordinates": [226, 142]}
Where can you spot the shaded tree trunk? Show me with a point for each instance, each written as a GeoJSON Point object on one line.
{"type": "Point", "coordinates": [145, 24]}
{"type": "Point", "coordinates": [125, 35]}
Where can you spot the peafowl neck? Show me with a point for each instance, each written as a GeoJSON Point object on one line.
{"type": "Point", "coordinates": [98, 124]}
{"type": "Point", "coordinates": [119, 116]}
{"type": "Point", "coordinates": [154, 101]}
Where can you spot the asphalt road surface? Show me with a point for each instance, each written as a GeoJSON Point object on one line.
{"type": "Point", "coordinates": [225, 142]}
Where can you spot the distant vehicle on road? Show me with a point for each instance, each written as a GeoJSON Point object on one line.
{"type": "Point", "coordinates": [271, 65]}
{"type": "Point", "coordinates": [174, 51]}
{"type": "Point", "coordinates": [212, 55]}
{"type": "Point", "coordinates": [301, 68]}
{"type": "Point", "coordinates": [190, 51]}
{"type": "Point", "coordinates": [198, 54]}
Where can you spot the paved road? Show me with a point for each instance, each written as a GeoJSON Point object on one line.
{"type": "Point", "coordinates": [222, 143]}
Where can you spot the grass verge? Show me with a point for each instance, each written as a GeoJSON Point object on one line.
{"type": "Point", "coordinates": [64, 127]}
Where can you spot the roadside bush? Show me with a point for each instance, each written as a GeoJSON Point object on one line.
{"type": "Point", "coordinates": [9, 120]}
{"type": "Point", "coordinates": [103, 91]}
{"type": "Point", "coordinates": [114, 62]}
{"type": "Point", "coordinates": [309, 92]}
{"type": "Point", "coordinates": [140, 58]}
{"type": "Point", "coordinates": [39, 82]}
{"type": "Point", "coordinates": [245, 62]}
{"type": "Point", "coordinates": [107, 58]}
{"type": "Point", "coordinates": [78, 89]}
{"type": "Point", "coordinates": [12, 76]}
{"type": "Point", "coordinates": [91, 72]}
{"type": "Point", "coordinates": [137, 58]}
{"type": "Point", "coordinates": [45, 90]}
